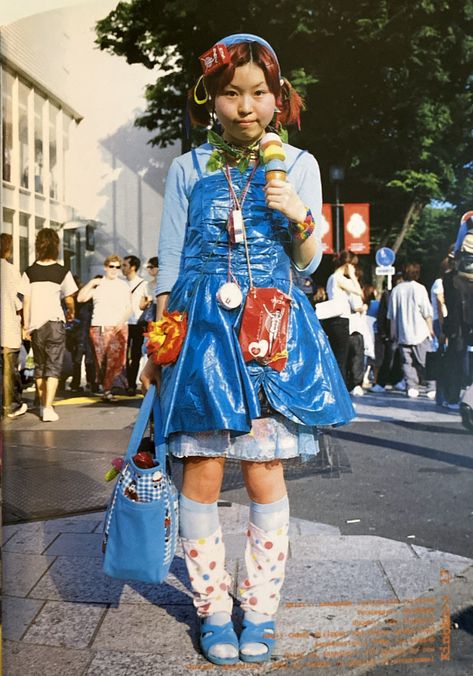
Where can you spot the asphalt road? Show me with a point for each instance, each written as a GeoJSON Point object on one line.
{"type": "Point", "coordinates": [397, 479]}
{"type": "Point", "coordinates": [405, 481]}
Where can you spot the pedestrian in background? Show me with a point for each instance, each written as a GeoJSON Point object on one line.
{"type": "Point", "coordinates": [10, 322]}
{"type": "Point", "coordinates": [111, 297]}
{"type": "Point", "coordinates": [148, 301]}
{"type": "Point", "coordinates": [82, 345]}
{"type": "Point", "coordinates": [138, 289]}
{"type": "Point", "coordinates": [340, 286]}
{"type": "Point", "coordinates": [410, 313]}
{"type": "Point", "coordinates": [46, 284]}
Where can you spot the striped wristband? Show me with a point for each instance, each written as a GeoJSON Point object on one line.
{"type": "Point", "coordinates": [303, 231]}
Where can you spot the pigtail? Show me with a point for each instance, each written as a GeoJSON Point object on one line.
{"type": "Point", "coordinates": [290, 105]}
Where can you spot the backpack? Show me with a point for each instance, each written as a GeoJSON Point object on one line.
{"type": "Point", "coordinates": [465, 256]}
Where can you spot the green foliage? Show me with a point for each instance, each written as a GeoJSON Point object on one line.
{"type": "Point", "coordinates": [388, 87]}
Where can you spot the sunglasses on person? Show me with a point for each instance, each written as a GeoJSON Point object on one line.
{"type": "Point", "coordinates": [151, 267]}
{"type": "Point", "coordinates": [114, 267]}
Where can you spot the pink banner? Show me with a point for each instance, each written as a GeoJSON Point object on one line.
{"type": "Point", "coordinates": [357, 227]}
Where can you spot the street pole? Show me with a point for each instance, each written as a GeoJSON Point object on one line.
{"type": "Point", "coordinates": [337, 174]}
{"type": "Point", "coordinates": [337, 217]}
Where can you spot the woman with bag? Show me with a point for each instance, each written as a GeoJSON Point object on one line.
{"type": "Point", "coordinates": [245, 370]}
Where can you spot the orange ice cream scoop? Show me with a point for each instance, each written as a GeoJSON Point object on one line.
{"type": "Point", "coordinates": [275, 169]}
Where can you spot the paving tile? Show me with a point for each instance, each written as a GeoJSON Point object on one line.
{"type": "Point", "coordinates": [18, 659]}
{"type": "Point", "coordinates": [22, 571]}
{"type": "Point", "coordinates": [427, 554]}
{"type": "Point", "coordinates": [8, 532]}
{"type": "Point", "coordinates": [17, 613]}
{"type": "Point", "coordinates": [83, 523]}
{"type": "Point", "coordinates": [349, 548]}
{"type": "Point", "coordinates": [305, 527]}
{"type": "Point", "coordinates": [331, 581]}
{"type": "Point", "coordinates": [113, 663]}
{"type": "Point", "coordinates": [65, 624]}
{"type": "Point", "coordinates": [149, 629]}
{"type": "Point", "coordinates": [79, 579]}
{"type": "Point", "coordinates": [29, 542]}
{"type": "Point", "coordinates": [76, 544]}
{"type": "Point", "coordinates": [410, 579]}
{"type": "Point", "coordinates": [234, 519]}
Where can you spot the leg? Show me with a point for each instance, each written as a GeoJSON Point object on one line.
{"type": "Point", "coordinates": [265, 557]}
{"type": "Point", "coordinates": [204, 554]}
{"type": "Point", "coordinates": [337, 332]}
{"type": "Point", "coordinates": [115, 349]}
{"type": "Point", "coordinates": [134, 355]}
{"type": "Point", "coordinates": [409, 369]}
{"type": "Point", "coordinates": [55, 346]}
{"type": "Point", "coordinates": [51, 387]}
{"type": "Point", "coordinates": [12, 388]}
{"type": "Point", "coordinates": [98, 348]}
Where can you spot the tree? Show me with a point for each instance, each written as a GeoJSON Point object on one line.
{"type": "Point", "coordinates": [388, 86]}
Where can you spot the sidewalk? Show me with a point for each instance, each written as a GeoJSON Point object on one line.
{"type": "Point", "coordinates": [62, 616]}
{"type": "Point", "coordinates": [349, 602]}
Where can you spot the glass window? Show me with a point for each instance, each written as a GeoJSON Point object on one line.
{"type": "Point", "coordinates": [24, 255]}
{"type": "Point", "coordinates": [39, 223]}
{"type": "Point", "coordinates": [53, 165]}
{"type": "Point", "coordinates": [7, 221]}
{"type": "Point", "coordinates": [7, 124]}
{"type": "Point", "coordinates": [23, 92]}
{"type": "Point", "coordinates": [38, 143]}
{"type": "Point", "coordinates": [65, 153]}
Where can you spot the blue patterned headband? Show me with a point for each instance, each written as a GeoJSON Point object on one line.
{"type": "Point", "coordinates": [218, 56]}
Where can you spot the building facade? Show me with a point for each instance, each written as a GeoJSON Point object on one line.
{"type": "Point", "coordinates": [72, 158]}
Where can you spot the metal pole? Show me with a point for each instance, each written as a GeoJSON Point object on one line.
{"type": "Point", "coordinates": [337, 216]}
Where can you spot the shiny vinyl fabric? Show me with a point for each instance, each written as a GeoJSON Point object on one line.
{"type": "Point", "coordinates": [210, 387]}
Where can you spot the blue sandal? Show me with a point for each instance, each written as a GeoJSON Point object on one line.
{"type": "Point", "coordinates": [258, 633]}
{"type": "Point", "coordinates": [217, 634]}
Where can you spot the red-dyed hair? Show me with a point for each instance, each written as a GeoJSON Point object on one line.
{"type": "Point", "coordinates": [288, 100]}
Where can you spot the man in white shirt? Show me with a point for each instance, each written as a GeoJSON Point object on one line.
{"type": "Point", "coordinates": [410, 313]}
{"type": "Point", "coordinates": [46, 284]}
{"type": "Point", "coordinates": [11, 304]}
{"type": "Point", "coordinates": [138, 288]}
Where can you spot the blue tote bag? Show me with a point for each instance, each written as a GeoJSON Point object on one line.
{"type": "Point", "coordinates": [141, 523]}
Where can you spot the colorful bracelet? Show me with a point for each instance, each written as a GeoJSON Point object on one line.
{"type": "Point", "coordinates": [302, 231]}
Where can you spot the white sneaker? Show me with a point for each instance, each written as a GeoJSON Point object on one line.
{"type": "Point", "coordinates": [377, 388]}
{"type": "Point", "coordinates": [451, 407]}
{"type": "Point", "coordinates": [357, 391]}
{"type": "Point", "coordinates": [412, 393]}
{"type": "Point", "coordinates": [400, 386]}
{"type": "Point", "coordinates": [431, 394]}
{"type": "Point", "coordinates": [49, 414]}
{"type": "Point", "coordinates": [19, 411]}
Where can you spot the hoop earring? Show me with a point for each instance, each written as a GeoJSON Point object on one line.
{"type": "Point", "coordinates": [200, 102]}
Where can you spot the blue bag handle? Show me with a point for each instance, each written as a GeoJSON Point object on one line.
{"type": "Point", "coordinates": [150, 405]}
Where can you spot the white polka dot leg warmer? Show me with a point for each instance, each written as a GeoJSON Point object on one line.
{"type": "Point", "coordinates": [265, 557]}
{"type": "Point", "coordinates": [205, 561]}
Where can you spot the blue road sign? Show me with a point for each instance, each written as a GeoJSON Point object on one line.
{"type": "Point", "coordinates": [385, 256]}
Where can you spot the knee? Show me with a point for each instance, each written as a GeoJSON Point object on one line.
{"type": "Point", "coordinates": [264, 481]}
{"type": "Point", "coordinates": [203, 479]}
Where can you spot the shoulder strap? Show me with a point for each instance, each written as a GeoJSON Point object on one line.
{"type": "Point", "coordinates": [150, 406]}
{"type": "Point", "coordinates": [196, 164]}
{"type": "Point", "coordinates": [139, 284]}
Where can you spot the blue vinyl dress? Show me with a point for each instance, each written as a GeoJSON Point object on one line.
{"type": "Point", "coordinates": [210, 397]}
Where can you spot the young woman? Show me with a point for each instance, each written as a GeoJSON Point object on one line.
{"type": "Point", "coordinates": [342, 285]}
{"type": "Point", "coordinates": [245, 385]}
{"type": "Point", "coordinates": [108, 326]}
